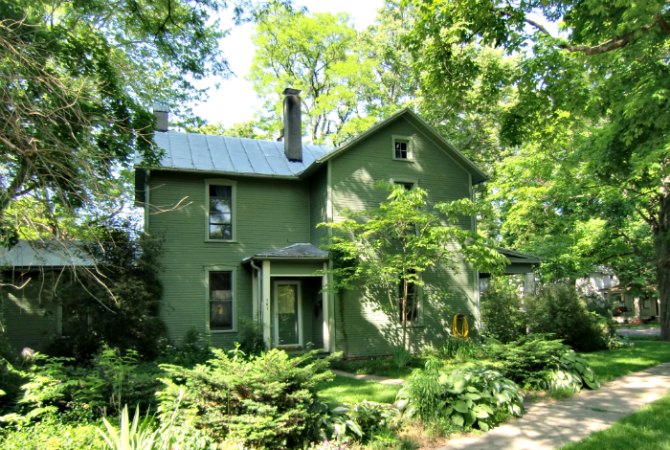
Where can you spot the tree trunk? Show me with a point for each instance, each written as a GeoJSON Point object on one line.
{"type": "Point", "coordinates": [662, 247]}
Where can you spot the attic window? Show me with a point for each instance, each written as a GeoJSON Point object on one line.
{"type": "Point", "coordinates": [402, 149]}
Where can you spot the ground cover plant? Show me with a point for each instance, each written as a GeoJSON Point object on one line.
{"type": "Point", "coordinates": [647, 428]}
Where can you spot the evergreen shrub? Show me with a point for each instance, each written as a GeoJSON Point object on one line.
{"type": "Point", "coordinates": [559, 310]}
{"type": "Point", "coordinates": [264, 401]}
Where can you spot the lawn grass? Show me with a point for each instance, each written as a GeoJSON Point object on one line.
{"type": "Point", "coordinates": [349, 390]}
{"type": "Point", "coordinates": [611, 364]}
{"type": "Point", "coordinates": [377, 366]}
{"type": "Point", "coordinates": [647, 429]}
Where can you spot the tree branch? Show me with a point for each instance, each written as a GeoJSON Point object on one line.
{"type": "Point", "coordinates": [610, 44]}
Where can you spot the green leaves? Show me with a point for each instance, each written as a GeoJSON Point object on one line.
{"type": "Point", "coordinates": [472, 397]}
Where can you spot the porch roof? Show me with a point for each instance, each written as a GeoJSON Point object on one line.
{"type": "Point", "coordinates": [300, 252]}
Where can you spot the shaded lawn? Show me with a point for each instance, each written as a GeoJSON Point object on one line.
{"type": "Point", "coordinates": [377, 366]}
{"type": "Point", "coordinates": [647, 429]}
{"type": "Point", "coordinates": [349, 390]}
{"type": "Point", "coordinates": [611, 364]}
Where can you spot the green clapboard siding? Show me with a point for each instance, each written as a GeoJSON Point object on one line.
{"type": "Point", "coordinates": [272, 213]}
{"type": "Point", "coordinates": [362, 327]}
{"type": "Point", "coordinates": [269, 214]}
{"type": "Point", "coordinates": [30, 314]}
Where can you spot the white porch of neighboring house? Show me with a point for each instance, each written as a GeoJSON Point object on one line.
{"type": "Point", "coordinates": [518, 264]}
{"type": "Point", "coordinates": [289, 297]}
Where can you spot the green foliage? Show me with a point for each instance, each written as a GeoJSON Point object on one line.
{"type": "Point", "coordinates": [471, 397]}
{"type": "Point", "coordinates": [57, 386]}
{"type": "Point", "coordinates": [142, 433]}
{"type": "Point", "coordinates": [501, 311]}
{"type": "Point", "coordinates": [536, 362]}
{"type": "Point", "coordinates": [400, 357]}
{"type": "Point", "coordinates": [398, 242]}
{"type": "Point", "coordinates": [81, 77]}
{"type": "Point", "coordinates": [558, 310]}
{"type": "Point", "coordinates": [193, 349]}
{"type": "Point", "coordinates": [51, 434]}
{"type": "Point", "coordinates": [362, 421]}
{"type": "Point", "coordinates": [459, 348]}
{"type": "Point", "coordinates": [118, 304]}
{"type": "Point", "coordinates": [265, 401]}
{"type": "Point", "coordinates": [250, 337]}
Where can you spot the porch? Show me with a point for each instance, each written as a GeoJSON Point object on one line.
{"type": "Point", "coordinates": [289, 299]}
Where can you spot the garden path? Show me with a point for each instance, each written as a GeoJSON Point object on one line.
{"type": "Point", "coordinates": [551, 424]}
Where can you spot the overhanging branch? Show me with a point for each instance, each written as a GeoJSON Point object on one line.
{"type": "Point", "coordinates": [610, 44]}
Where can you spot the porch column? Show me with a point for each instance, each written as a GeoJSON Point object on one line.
{"type": "Point", "coordinates": [325, 309]}
{"type": "Point", "coordinates": [265, 306]}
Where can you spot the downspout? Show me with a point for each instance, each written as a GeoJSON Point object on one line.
{"type": "Point", "coordinates": [259, 281]}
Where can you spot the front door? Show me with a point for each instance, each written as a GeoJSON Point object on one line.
{"type": "Point", "coordinates": [287, 313]}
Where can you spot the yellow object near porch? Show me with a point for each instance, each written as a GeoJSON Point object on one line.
{"type": "Point", "coordinates": [462, 330]}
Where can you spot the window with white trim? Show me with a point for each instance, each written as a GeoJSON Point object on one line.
{"type": "Point", "coordinates": [221, 300]}
{"type": "Point", "coordinates": [402, 149]}
{"type": "Point", "coordinates": [220, 214]}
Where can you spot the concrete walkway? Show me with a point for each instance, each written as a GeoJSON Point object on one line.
{"type": "Point", "coordinates": [551, 424]}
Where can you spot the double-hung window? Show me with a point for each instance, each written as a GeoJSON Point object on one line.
{"type": "Point", "coordinates": [220, 215]}
{"type": "Point", "coordinates": [221, 300]}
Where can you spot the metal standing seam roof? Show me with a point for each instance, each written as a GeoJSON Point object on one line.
{"type": "Point", "coordinates": [304, 251]}
{"type": "Point", "coordinates": [29, 254]}
{"type": "Point", "coordinates": [194, 152]}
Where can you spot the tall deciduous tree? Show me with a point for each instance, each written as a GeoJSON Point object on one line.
{"type": "Point", "coordinates": [78, 79]}
{"type": "Point", "coordinates": [391, 247]}
{"type": "Point", "coordinates": [602, 72]}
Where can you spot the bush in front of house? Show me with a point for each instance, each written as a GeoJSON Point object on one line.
{"type": "Point", "coordinates": [540, 363]}
{"type": "Point", "coordinates": [264, 401]}
{"type": "Point", "coordinates": [501, 311]}
{"type": "Point", "coordinates": [56, 387]}
{"type": "Point", "coordinates": [559, 310]}
{"type": "Point", "coordinates": [470, 397]}
{"type": "Point", "coordinates": [117, 304]}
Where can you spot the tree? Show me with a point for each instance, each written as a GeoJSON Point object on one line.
{"type": "Point", "coordinates": [78, 79]}
{"type": "Point", "coordinates": [391, 247]}
{"type": "Point", "coordinates": [349, 79]}
{"type": "Point", "coordinates": [603, 75]}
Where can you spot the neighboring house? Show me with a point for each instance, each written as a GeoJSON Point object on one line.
{"type": "Point", "coordinates": [519, 265]}
{"type": "Point", "coordinates": [626, 303]}
{"type": "Point", "coordinates": [32, 313]}
{"type": "Point", "coordinates": [239, 220]}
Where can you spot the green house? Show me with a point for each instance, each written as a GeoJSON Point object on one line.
{"type": "Point", "coordinates": [241, 244]}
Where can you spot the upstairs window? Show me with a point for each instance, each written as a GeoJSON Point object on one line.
{"type": "Point", "coordinates": [220, 212]}
{"type": "Point", "coordinates": [221, 301]}
{"type": "Point", "coordinates": [402, 149]}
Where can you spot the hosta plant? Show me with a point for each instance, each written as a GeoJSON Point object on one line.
{"type": "Point", "coordinates": [471, 397]}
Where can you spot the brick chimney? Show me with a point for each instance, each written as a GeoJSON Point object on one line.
{"type": "Point", "coordinates": [292, 125]}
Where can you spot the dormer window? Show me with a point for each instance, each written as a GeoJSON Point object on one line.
{"type": "Point", "coordinates": [402, 149]}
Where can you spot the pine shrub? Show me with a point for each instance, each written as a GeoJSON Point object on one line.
{"type": "Point", "coordinates": [265, 401]}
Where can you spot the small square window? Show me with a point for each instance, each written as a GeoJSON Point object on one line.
{"type": "Point", "coordinates": [401, 147]}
